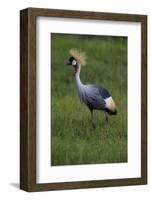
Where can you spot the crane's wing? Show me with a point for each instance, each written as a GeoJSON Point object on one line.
{"type": "Point", "coordinates": [103, 92]}
{"type": "Point", "coordinates": [93, 97]}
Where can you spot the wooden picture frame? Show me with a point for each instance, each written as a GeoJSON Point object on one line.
{"type": "Point", "coordinates": [28, 98]}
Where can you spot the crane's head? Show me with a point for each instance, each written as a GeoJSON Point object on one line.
{"type": "Point", "coordinates": [72, 61]}
{"type": "Point", "coordinates": [77, 59]}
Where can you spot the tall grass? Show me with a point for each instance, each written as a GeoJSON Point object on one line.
{"type": "Point", "coordinates": [73, 140]}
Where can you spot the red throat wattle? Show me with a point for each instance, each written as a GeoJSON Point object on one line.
{"type": "Point", "coordinates": [74, 70]}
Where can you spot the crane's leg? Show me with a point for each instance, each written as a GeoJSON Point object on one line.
{"type": "Point", "coordinates": [106, 117]}
{"type": "Point", "coordinates": [93, 124]}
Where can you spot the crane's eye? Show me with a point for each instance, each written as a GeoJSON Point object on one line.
{"type": "Point", "coordinates": [74, 62]}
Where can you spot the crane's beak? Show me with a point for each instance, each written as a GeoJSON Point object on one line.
{"type": "Point", "coordinates": [69, 63]}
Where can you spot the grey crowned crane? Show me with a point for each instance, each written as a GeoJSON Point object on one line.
{"type": "Point", "coordinates": [96, 98]}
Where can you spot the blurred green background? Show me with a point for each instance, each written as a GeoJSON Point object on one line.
{"type": "Point", "coordinates": [73, 140]}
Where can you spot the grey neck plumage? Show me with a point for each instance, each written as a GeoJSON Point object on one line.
{"type": "Point", "coordinates": [79, 84]}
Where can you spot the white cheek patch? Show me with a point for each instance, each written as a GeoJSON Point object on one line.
{"type": "Point", "coordinates": [74, 62]}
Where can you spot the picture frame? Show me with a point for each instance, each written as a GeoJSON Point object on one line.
{"type": "Point", "coordinates": [28, 98]}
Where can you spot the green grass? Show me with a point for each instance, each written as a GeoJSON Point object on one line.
{"type": "Point", "coordinates": [73, 140]}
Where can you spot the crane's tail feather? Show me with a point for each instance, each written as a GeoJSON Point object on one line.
{"type": "Point", "coordinates": [111, 112]}
{"type": "Point", "coordinates": [110, 106]}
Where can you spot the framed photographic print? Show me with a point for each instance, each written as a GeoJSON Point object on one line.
{"type": "Point", "coordinates": [83, 99]}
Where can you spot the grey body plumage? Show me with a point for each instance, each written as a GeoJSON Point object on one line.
{"type": "Point", "coordinates": [92, 97]}
{"type": "Point", "coordinates": [95, 97]}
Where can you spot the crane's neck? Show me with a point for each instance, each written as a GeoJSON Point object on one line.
{"type": "Point", "coordinates": [77, 76]}
{"type": "Point", "coordinates": [79, 84]}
